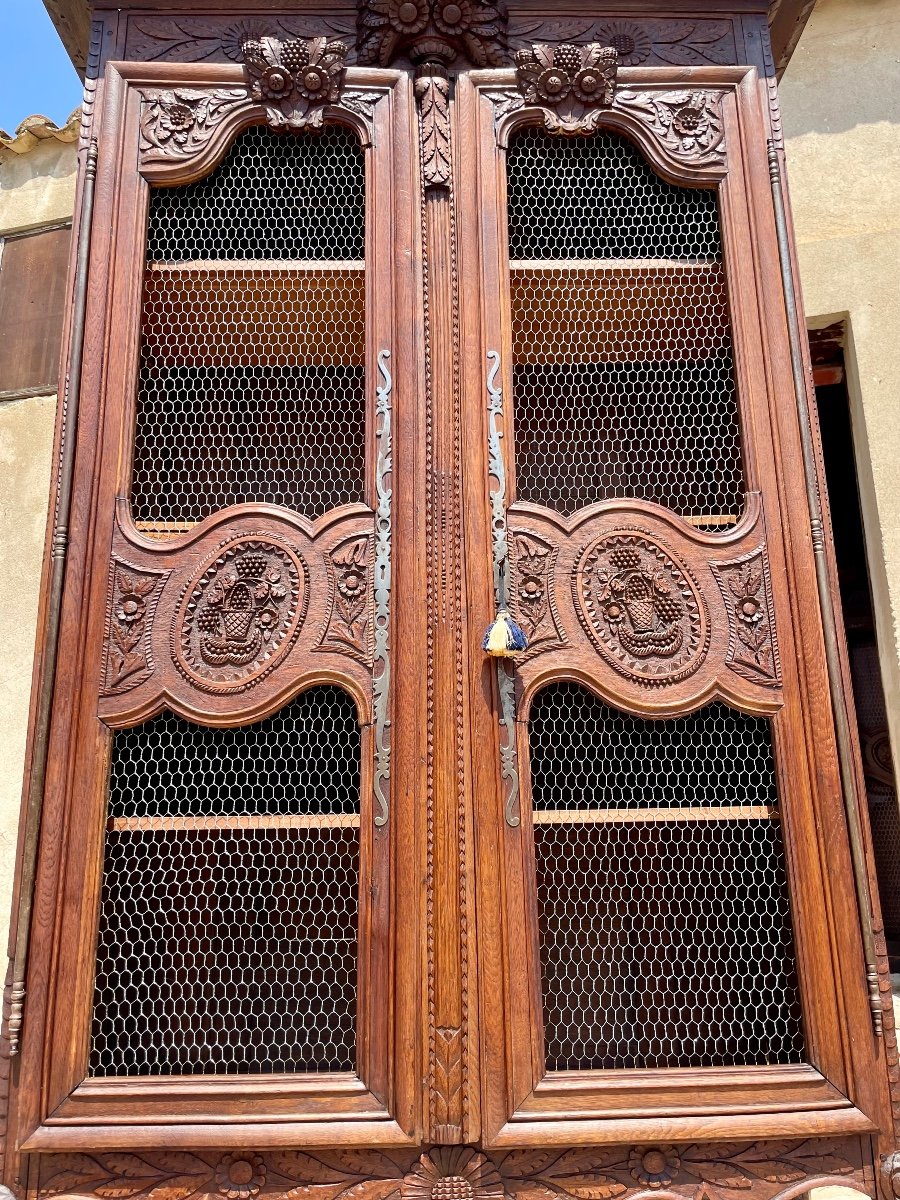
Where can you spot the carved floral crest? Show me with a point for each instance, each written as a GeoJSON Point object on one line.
{"type": "Point", "coordinates": [295, 80]}
{"type": "Point", "coordinates": [239, 616]}
{"type": "Point", "coordinates": [434, 31]}
{"type": "Point", "coordinates": [572, 85]}
{"type": "Point", "coordinates": [641, 608]}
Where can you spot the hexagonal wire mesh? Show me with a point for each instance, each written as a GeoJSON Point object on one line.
{"type": "Point", "coordinates": [228, 912]}
{"type": "Point", "coordinates": [623, 378]}
{"type": "Point", "coordinates": [251, 384]}
{"type": "Point", "coordinates": [665, 933]}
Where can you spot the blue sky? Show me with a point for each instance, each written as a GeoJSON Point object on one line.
{"type": "Point", "coordinates": [36, 75]}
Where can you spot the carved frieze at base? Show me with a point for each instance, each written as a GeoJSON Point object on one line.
{"type": "Point", "coordinates": [696, 1171]}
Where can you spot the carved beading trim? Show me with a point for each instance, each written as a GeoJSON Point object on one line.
{"type": "Point", "coordinates": [696, 1171]}
{"type": "Point", "coordinates": [132, 598]}
{"type": "Point", "coordinates": [381, 672]}
{"type": "Point", "coordinates": [641, 607]}
{"type": "Point", "coordinates": [532, 599]}
{"type": "Point", "coordinates": [240, 613]}
{"type": "Point", "coordinates": [347, 627]}
{"type": "Point", "coordinates": [432, 89]}
{"type": "Point", "coordinates": [746, 588]}
{"type": "Point", "coordinates": [177, 123]}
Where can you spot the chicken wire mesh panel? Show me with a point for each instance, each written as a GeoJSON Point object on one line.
{"type": "Point", "coordinates": [623, 373]}
{"type": "Point", "coordinates": [229, 903]}
{"type": "Point", "coordinates": [251, 384]}
{"type": "Point", "coordinates": [664, 923]}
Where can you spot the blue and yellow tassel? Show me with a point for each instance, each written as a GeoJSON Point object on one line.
{"type": "Point", "coordinates": [504, 638]}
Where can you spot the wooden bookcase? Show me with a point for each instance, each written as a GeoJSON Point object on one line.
{"type": "Point", "coordinates": [383, 321]}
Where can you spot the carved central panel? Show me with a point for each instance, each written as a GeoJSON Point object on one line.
{"type": "Point", "coordinates": [240, 614]}
{"type": "Point", "coordinates": [641, 608]}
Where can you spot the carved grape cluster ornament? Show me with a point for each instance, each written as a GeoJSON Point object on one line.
{"type": "Point", "coordinates": [641, 608]}
{"type": "Point", "coordinates": [295, 80]}
{"type": "Point", "coordinates": [240, 614]}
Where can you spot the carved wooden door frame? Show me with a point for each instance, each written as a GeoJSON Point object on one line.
{"type": "Point", "coordinates": [841, 1089]}
{"type": "Point", "coordinates": [168, 124]}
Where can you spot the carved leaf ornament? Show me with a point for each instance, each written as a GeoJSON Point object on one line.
{"type": "Point", "coordinates": [572, 84]}
{"type": "Point", "coordinates": [694, 1172]}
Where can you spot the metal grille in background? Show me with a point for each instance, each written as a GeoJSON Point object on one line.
{"type": "Point", "coordinates": [251, 384]}
{"type": "Point", "coordinates": [665, 934]}
{"type": "Point", "coordinates": [623, 370]}
{"type": "Point", "coordinates": [228, 913]}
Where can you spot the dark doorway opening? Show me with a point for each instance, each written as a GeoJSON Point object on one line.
{"type": "Point", "coordinates": [832, 400]}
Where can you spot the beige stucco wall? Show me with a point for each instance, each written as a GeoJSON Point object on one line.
{"type": "Point", "coordinates": [840, 99]}
{"type": "Point", "coordinates": [36, 188]}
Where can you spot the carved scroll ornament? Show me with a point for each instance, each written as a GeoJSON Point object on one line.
{"type": "Point", "coordinates": [177, 124]}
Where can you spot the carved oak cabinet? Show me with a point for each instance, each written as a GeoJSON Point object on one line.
{"type": "Point", "coordinates": [390, 325]}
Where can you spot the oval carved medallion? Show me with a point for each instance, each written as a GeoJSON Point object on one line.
{"type": "Point", "coordinates": [641, 608]}
{"type": "Point", "coordinates": [239, 614]}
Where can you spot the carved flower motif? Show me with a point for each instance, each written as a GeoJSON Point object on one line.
{"type": "Point", "coordinates": [530, 589]}
{"type": "Point", "coordinates": [691, 120]}
{"type": "Point", "coordinates": [744, 587]}
{"type": "Point", "coordinates": [130, 608]}
{"type": "Point", "coordinates": [408, 16]}
{"type": "Point", "coordinates": [655, 1167]}
{"type": "Point", "coordinates": [176, 122]}
{"type": "Point", "coordinates": [240, 1176]}
{"type": "Point", "coordinates": [453, 17]}
{"type": "Point", "coordinates": [238, 37]}
{"type": "Point", "coordinates": [553, 85]}
{"type": "Point", "coordinates": [453, 1173]}
{"type": "Point", "coordinates": [350, 584]}
{"type": "Point", "coordinates": [629, 41]}
{"type": "Point", "coordinates": [275, 83]}
{"type": "Point", "coordinates": [313, 83]}
{"type": "Point", "coordinates": [589, 86]}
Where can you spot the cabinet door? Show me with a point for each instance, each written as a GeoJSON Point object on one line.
{"type": "Point", "coordinates": [223, 808]}
{"type": "Point", "coordinates": [659, 912]}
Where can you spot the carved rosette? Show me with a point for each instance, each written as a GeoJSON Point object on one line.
{"type": "Point", "coordinates": [695, 1171]}
{"type": "Point", "coordinates": [295, 80]}
{"type": "Point", "coordinates": [131, 603]}
{"type": "Point", "coordinates": [570, 84]}
{"type": "Point", "coordinates": [348, 625]}
{"type": "Point", "coordinates": [641, 608]}
{"type": "Point", "coordinates": [240, 614]}
{"type": "Point", "coordinates": [752, 643]}
{"type": "Point", "coordinates": [176, 124]}
{"type": "Point", "coordinates": [532, 598]}
{"type": "Point", "coordinates": [432, 31]}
